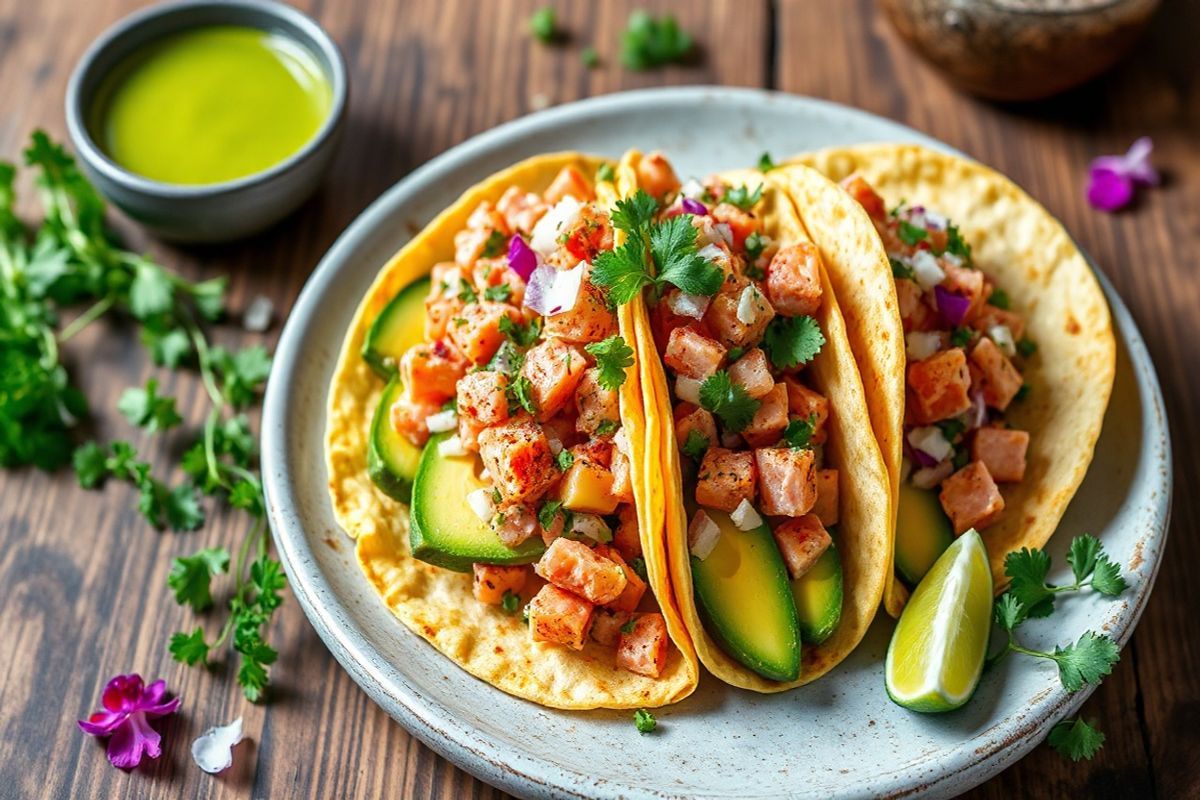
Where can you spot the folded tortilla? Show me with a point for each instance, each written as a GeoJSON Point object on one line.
{"type": "Point", "coordinates": [437, 604]}
{"type": "Point", "coordinates": [1048, 280]}
{"type": "Point", "coordinates": [864, 531]}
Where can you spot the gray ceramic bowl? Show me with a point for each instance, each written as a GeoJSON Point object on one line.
{"type": "Point", "coordinates": [216, 212]}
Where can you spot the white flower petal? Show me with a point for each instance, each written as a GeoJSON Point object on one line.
{"type": "Point", "coordinates": [258, 314]}
{"type": "Point", "coordinates": [213, 750]}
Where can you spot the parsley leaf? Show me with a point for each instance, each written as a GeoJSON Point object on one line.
{"type": "Point", "coordinates": [799, 432]}
{"type": "Point", "coordinates": [766, 163]}
{"type": "Point", "coordinates": [1076, 739]}
{"type": "Point", "coordinates": [613, 357]}
{"type": "Point", "coordinates": [742, 197]}
{"type": "Point", "coordinates": [644, 720]}
{"type": "Point", "coordinates": [648, 42]}
{"type": "Point", "coordinates": [144, 408]}
{"type": "Point", "coordinates": [791, 341]}
{"type": "Point", "coordinates": [189, 648]}
{"type": "Point", "coordinates": [728, 401]}
{"type": "Point", "coordinates": [696, 445]}
{"type": "Point", "coordinates": [191, 576]}
{"type": "Point", "coordinates": [910, 234]}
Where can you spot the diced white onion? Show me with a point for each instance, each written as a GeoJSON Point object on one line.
{"type": "Point", "coordinates": [481, 503]}
{"type": "Point", "coordinates": [556, 445]}
{"type": "Point", "coordinates": [591, 526]}
{"type": "Point", "coordinates": [554, 291]}
{"type": "Point", "coordinates": [712, 253]}
{"type": "Point", "coordinates": [1002, 336]}
{"type": "Point", "coordinates": [744, 517]}
{"type": "Point", "coordinates": [687, 389]}
{"type": "Point", "coordinates": [750, 305]}
{"type": "Point", "coordinates": [692, 189]}
{"type": "Point", "coordinates": [687, 305]}
{"type": "Point", "coordinates": [621, 442]}
{"type": "Point", "coordinates": [931, 441]}
{"type": "Point", "coordinates": [450, 283]}
{"type": "Point", "coordinates": [723, 230]}
{"type": "Point", "coordinates": [951, 258]}
{"type": "Point", "coordinates": [926, 270]}
{"type": "Point", "coordinates": [916, 218]}
{"type": "Point", "coordinates": [935, 221]}
{"type": "Point", "coordinates": [451, 446]}
{"type": "Point", "coordinates": [544, 238]}
{"type": "Point", "coordinates": [920, 345]}
{"type": "Point", "coordinates": [929, 477]}
{"type": "Point", "coordinates": [442, 421]}
{"type": "Point", "coordinates": [703, 535]}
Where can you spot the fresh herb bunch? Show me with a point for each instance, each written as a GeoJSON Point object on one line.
{"type": "Point", "coordinates": [73, 260]}
{"type": "Point", "coordinates": [1087, 660]}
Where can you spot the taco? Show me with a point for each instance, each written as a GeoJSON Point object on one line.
{"type": "Point", "coordinates": [775, 495]}
{"type": "Point", "coordinates": [485, 447]}
{"type": "Point", "coordinates": [1008, 345]}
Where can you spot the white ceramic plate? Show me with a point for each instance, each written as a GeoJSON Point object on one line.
{"type": "Point", "coordinates": [838, 737]}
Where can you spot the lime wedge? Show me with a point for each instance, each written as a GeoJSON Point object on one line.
{"type": "Point", "coordinates": [936, 655]}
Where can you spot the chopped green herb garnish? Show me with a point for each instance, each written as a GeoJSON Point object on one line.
{"type": "Point", "coordinates": [495, 245]}
{"type": "Point", "coordinates": [961, 337]}
{"type": "Point", "coordinates": [1022, 393]}
{"type": "Point", "coordinates": [999, 299]}
{"type": "Point", "coordinates": [742, 197]}
{"type": "Point", "coordinates": [755, 244]}
{"type": "Point", "coordinates": [1076, 739]}
{"type": "Point", "coordinates": [951, 428]}
{"type": "Point", "coordinates": [791, 341]}
{"type": "Point", "coordinates": [644, 720]}
{"type": "Point", "coordinates": [498, 293]}
{"type": "Point", "coordinates": [955, 244]}
{"type": "Point", "coordinates": [910, 234]}
{"type": "Point", "coordinates": [466, 292]}
{"type": "Point", "coordinates": [648, 42]}
{"type": "Point", "coordinates": [696, 445]}
{"type": "Point", "coordinates": [735, 353]}
{"type": "Point", "coordinates": [519, 393]}
{"type": "Point", "coordinates": [639, 566]}
{"type": "Point", "coordinates": [799, 432]}
{"type": "Point", "coordinates": [544, 25]}
{"type": "Point", "coordinates": [510, 602]}
{"type": "Point", "coordinates": [728, 401]}
{"type": "Point", "coordinates": [1026, 347]}
{"type": "Point", "coordinates": [901, 270]}
{"type": "Point", "coordinates": [605, 173]}
{"type": "Point", "coordinates": [564, 459]}
{"type": "Point", "coordinates": [629, 625]}
{"type": "Point", "coordinates": [518, 334]}
{"type": "Point", "coordinates": [613, 357]}
{"type": "Point", "coordinates": [607, 427]}
{"type": "Point", "coordinates": [766, 163]}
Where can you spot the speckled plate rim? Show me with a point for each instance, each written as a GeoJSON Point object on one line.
{"type": "Point", "coordinates": [524, 773]}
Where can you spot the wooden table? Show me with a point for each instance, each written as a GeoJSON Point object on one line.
{"type": "Point", "coordinates": [82, 577]}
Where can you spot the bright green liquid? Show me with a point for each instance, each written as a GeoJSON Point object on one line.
{"type": "Point", "coordinates": [211, 105]}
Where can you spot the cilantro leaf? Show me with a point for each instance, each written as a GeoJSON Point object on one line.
{"type": "Point", "coordinates": [543, 25]}
{"type": "Point", "coordinates": [901, 270]}
{"type": "Point", "coordinates": [144, 408]}
{"type": "Point", "coordinates": [696, 445]}
{"type": "Point", "coordinates": [1009, 611]}
{"type": "Point", "coordinates": [548, 511]}
{"type": "Point", "coordinates": [633, 215]}
{"type": "Point", "coordinates": [1082, 556]}
{"type": "Point", "coordinates": [1026, 347]}
{"type": "Point", "coordinates": [182, 509]}
{"type": "Point", "coordinates": [191, 576]}
{"type": "Point", "coordinates": [766, 163]}
{"type": "Point", "coordinates": [91, 464]}
{"type": "Point", "coordinates": [564, 459]}
{"type": "Point", "coordinates": [673, 248]}
{"type": "Point", "coordinates": [605, 173]}
{"type": "Point", "coordinates": [496, 244]}
{"type": "Point", "coordinates": [167, 348]}
{"type": "Point", "coordinates": [639, 566]}
{"type": "Point", "coordinates": [189, 648]}
{"type": "Point", "coordinates": [613, 357]}
{"type": "Point", "coordinates": [910, 234]}
{"type": "Point", "coordinates": [1086, 661]}
{"type": "Point", "coordinates": [1076, 739]}
{"type": "Point", "coordinates": [151, 293]}
{"type": "Point", "coordinates": [644, 720]}
{"type": "Point", "coordinates": [755, 244]}
{"type": "Point", "coordinates": [1027, 570]}
{"type": "Point", "coordinates": [955, 245]}
{"type": "Point", "coordinates": [742, 197]}
{"type": "Point", "coordinates": [520, 393]}
{"type": "Point", "coordinates": [1107, 579]}
{"type": "Point", "coordinates": [961, 336]}
{"type": "Point", "coordinates": [799, 432]}
{"type": "Point", "coordinates": [728, 401]}
{"type": "Point", "coordinates": [648, 42]}
{"type": "Point", "coordinates": [999, 299]}
{"type": "Point", "coordinates": [466, 292]}
{"type": "Point", "coordinates": [791, 341]}
{"type": "Point", "coordinates": [622, 271]}
{"type": "Point", "coordinates": [498, 293]}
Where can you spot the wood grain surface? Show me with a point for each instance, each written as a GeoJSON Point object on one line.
{"type": "Point", "coordinates": [82, 577]}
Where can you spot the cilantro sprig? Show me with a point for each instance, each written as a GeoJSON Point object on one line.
{"type": "Point", "coordinates": [743, 198]}
{"type": "Point", "coordinates": [792, 341]}
{"type": "Point", "coordinates": [1091, 567]}
{"type": "Point", "coordinates": [613, 357]}
{"type": "Point", "coordinates": [1076, 739]}
{"type": "Point", "coordinates": [728, 401]}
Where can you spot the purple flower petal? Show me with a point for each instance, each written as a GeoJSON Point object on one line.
{"type": "Point", "coordinates": [1109, 190]}
{"type": "Point", "coordinates": [128, 708]}
{"type": "Point", "coordinates": [122, 693]}
{"type": "Point", "coordinates": [102, 723]}
{"type": "Point", "coordinates": [133, 740]}
{"type": "Point", "coordinates": [1137, 162]}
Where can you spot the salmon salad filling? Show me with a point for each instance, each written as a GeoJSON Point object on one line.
{"type": "Point", "coordinates": [519, 370]}
{"type": "Point", "coordinates": [965, 351]}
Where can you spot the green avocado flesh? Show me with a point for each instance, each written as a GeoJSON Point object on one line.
{"type": "Point", "coordinates": [444, 531]}
{"type": "Point", "coordinates": [744, 595]}
{"type": "Point", "coordinates": [398, 327]}
{"type": "Point", "coordinates": [923, 532]}
{"type": "Point", "coordinates": [818, 596]}
{"type": "Point", "coordinates": [391, 458]}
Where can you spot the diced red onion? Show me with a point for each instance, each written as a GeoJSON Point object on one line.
{"type": "Point", "coordinates": [953, 307]}
{"type": "Point", "coordinates": [703, 535]}
{"type": "Point", "coordinates": [552, 291]}
{"type": "Point", "coordinates": [694, 207]}
{"type": "Point", "coordinates": [977, 415]}
{"type": "Point", "coordinates": [521, 258]}
{"type": "Point", "coordinates": [923, 458]}
{"type": "Point", "coordinates": [929, 477]}
{"type": "Point", "coordinates": [687, 305]}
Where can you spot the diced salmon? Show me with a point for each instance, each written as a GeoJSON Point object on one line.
{"type": "Point", "coordinates": [971, 499]}
{"type": "Point", "coordinates": [635, 587]}
{"type": "Point", "coordinates": [722, 313]}
{"type": "Point", "coordinates": [656, 177]}
{"type": "Point", "coordinates": [692, 354]}
{"type": "Point", "coordinates": [569, 182]}
{"type": "Point", "coordinates": [741, 223]}
{"type": "Point", "coordinates": [607, 624]}
{"type": "Point", "coordinates": [408, 418]}
{"type": "Point", "coordinates": [806, 404]}
{"type": "Point", "coordinates": [515, 524]}
{"type": "Point", "coordinates": [468, 432]}
{"type": "Point", "coordinates": [470, 243]}
{"type": "Point", "coordinates": [595, 404]}
{"type": "Point", "coordinates": [964, 282]}
{"type": "Point", "coordinates": [1002, 451]}
{"type": "Point", "coordinates": [663, 321]}
{"type": "Point", "coordinates": [644, 649]}
{"type": "Point", "coordinates": [627, 538]}
{"type": "Point", "coordinates": [439, 312]}
{"type": "Point", "coordinates": [787, 480]}
{"type": "Point", "coordinates": [482, 398]}
{"type": "Point", "coordinates": [622, 486]}
{"type": "Point", "coordinates": [589, 320]}
{"type": "Point", "coordinates": [521, 210]}
{"type": "Point", "coordinates": [431, 371]}
{"type": "Point", "coordinates": [990, 317]}
{"type": "Point", "coordinates": [690, 418]}
{"type": "Point", "coordinates": [492, 581]}
{"type": "Point", "coordinates": [753, 373]}
{"type": "Point", "coordinates": [517, 456]}
{"type": "Point", "coordinates": [771, 418]}
{"type": "Point", "coordinates": [794, 280]}
{"type": "Point", "coordinates": [915, 313]}
{"type": "Point", "coordinates": [574, 566]}
{"type": "Point", "coordinates": [487, 217]}
{"type": "Point", "coordinates": [478, 335]}
{"type": "Point", "coordinates": [590, 235]}
{"type": "Point", "coordinates": [801, 542]}
{"type": "Point", "coordinates": [559, 617]}
{"type": "Point", "coordinates": [725, 479]}
{"type": "Point", "coordinates": [1000, 381]}
{"type": "Point", "coordinates": [939, 386]}
{"type": "Point", "coordinates": [826, 508]}
{"type": "Point", "coordinates": [861, 191]}
{"type": "Point", "coordinates": [554, 370]}
{"type": "Point", "coordinates": [492, 272]}
{"type": "Point", "coordinates": [443, 279]}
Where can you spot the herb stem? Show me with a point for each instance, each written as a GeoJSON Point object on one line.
{"type": "Point", "coordinates": [93, 313]}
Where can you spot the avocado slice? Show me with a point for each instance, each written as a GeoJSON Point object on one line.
{"type": "Point", "coordinates": [923, 532]}
{"type": "Point", "coordinates": [398, 327]}
{"type": "Point", "coordinates": [444, 531]}
{"type": "Point", "coordinates": [391, 458]}
{"type": "Point", "coordinates": [743, 593]}
{"type": "Point", "coordinates": [818, 596]}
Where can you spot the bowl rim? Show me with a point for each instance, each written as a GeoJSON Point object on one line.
{"type": "Point", "coordinates": [292, 19]}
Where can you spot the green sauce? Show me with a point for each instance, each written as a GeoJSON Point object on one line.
{"type": "Point", "coordinates": [211, 105]}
